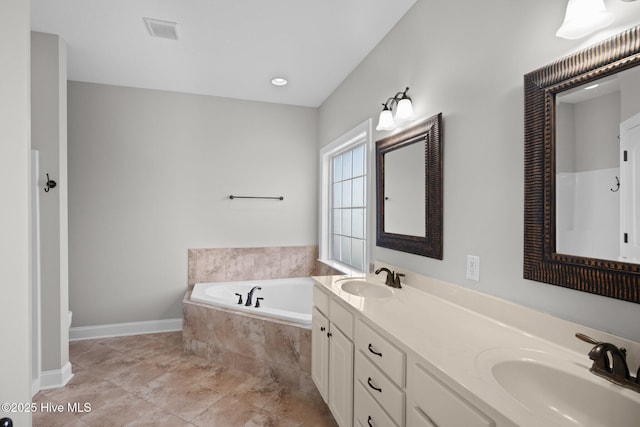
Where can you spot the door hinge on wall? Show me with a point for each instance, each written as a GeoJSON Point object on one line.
{"type": "Point", "coordinates": [626, 238]}
{"type": "Point", "coordinates": [624, 154]}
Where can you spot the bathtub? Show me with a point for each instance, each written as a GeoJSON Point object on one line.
{"type": "Point", "coordinates": [284, 299]}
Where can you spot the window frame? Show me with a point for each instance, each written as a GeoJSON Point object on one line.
{"type": "Point", "coordinates": [359, 135]}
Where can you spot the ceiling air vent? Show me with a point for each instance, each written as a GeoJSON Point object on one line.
{"type": "Point", "coordinates": [161, 29]}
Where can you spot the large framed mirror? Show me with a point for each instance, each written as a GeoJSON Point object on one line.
{"type": "Point", "coordinates": [409, 189]}
{"type": "Point", "coordinates": [582, 165]}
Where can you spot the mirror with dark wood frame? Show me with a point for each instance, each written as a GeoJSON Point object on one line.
{"type": "Point", "coordinates": [612, 276]}
{"type": "Point", "coordinates": [425, 236]}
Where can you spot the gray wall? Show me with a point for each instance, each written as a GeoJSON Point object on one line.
{"type": "Point", "coordinates": [565, 137]}
{"type": "Point", "coordinates": [587, 134]}
{"type": "Point", "coordinates": [150, 173]}
{"type": "Point", "coordinates": [15, 368]}
{"type": "Point", "coordinates": [49, 136]}
{"type": "Point", "coordinates": [630, 88]}
{"type": "Point", "coordinates": [470, 67]}
{"type": "Point", "coordinates": [597, 127]}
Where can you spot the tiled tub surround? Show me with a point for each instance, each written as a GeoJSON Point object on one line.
{"type": "Point", "coordinates": [234, 264]}
{"type": "Point", "coordinates": [261, 346]}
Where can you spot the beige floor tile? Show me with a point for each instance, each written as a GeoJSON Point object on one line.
{"type": "Point", "coordinates": [135, 378]}
{"type": "Point", "coordinates": [162, 357]}
{"type": "Point", "coordinates": [266, 419]}
{"type": "Point", "coordinates": [97, 393]}
{"type": "Point", "coordinates": [54, 419]}
{"type": "Point", "coordinates": [179, 395]}
{"type": "Point", "coordinates": [158, 418]}
{"type": "Point", "coordinates": [256, 391]}
{"type": "Point", "coordinates": [148, 380]}
{"type": "Point", "coordinates": [228, 412]}
{"type": "Point", "coordinates": [118, 412]}
{"type": "Point", "coordinates": [96, 355]}
{"type": "Point", "coordinates": [298, 406]}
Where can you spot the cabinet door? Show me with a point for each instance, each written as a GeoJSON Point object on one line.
{"type": "Point", "coordinates": [341, 378]}
{"type": "Point", "coordinates": [320, 353]}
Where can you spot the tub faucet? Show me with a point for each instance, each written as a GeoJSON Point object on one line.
{"type": "Point", "coordinates": [610, 363]}
{"type": "Point", "coordinates": [239, 298]}
{"type": "Point", "coordinates": [393, 278]}
{"type": "Point", "coordinates": [250, 295]}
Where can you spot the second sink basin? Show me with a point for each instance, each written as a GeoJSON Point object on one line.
{"type": "Point", "coordinates": [366, 289]}
{"type": "Point", "coordinates": [566, 393]}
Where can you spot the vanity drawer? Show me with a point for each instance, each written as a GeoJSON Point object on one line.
{"type": "Point", "coordinates": [383, 390]}
{"type": "Point", "coordinates": [320, 300]}
{"type": "Point", "coordinates": [381, 352]}
{"type": "Point", "coordinates": [367, 412]}
{"type": "Point", "coordinates": [419, 419]}
{"type": "Point", "coordinates": [441, 404]}
{"type": "Point", "coordinates": [341, 318]}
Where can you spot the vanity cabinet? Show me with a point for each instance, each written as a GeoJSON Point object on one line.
{"type": "Point", "coordinates": [332, 356]}
{"type": "Point", "coordinates": [370, 379]}
{"type": "Point", "coordinates": [432, 403]}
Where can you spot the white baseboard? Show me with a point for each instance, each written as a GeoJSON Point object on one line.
{"type": "Point", "coordinates": [35, 387]}
{"type": "Point", "coordinates": [56, 378]}
{"type": "Point", "coordinates": [124, 329]}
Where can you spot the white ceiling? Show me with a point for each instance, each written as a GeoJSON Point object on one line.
{"type": "Point", "coordinates": [226, 48]}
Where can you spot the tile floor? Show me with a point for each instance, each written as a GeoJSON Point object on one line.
{"type": "Point", "coordinates": [147, 380]}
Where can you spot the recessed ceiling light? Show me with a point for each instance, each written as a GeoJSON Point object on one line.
{"type": "Point", "coordinates": [161, 29]}
{"type": "Point", "coordinates": [279, 81]}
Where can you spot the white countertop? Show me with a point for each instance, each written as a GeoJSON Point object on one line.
{"type": "Point", "coordinates": [463, 344]}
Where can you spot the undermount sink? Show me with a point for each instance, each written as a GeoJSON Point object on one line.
{"type": "Point", "coordinates": [366, 289]}
{"type": "Point", "coordinates": [567, 394]}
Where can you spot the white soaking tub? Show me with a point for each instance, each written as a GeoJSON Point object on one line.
{"type": "Point", "coordinates": [284, 299]}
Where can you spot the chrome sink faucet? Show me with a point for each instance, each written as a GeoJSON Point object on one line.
{"type": "Point", "coordinates": [393, 278]}
{"type": "Point", "coordinates": [610, 363]}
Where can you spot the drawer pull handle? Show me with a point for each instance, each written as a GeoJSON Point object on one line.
{"type": "Point", "coordinates": [369, 421]}
{"type": "Point", "coordinates": [322, 328]}
{"type": "Point", "coordinates": [372, 386]}
{"type": "Point", "coordinates": [373, 351]}
{"type": "Point", "coordinates": [329, 334]}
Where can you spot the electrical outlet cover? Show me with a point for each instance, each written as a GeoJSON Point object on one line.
{"type": "Point", "coordinates": [473, 267]}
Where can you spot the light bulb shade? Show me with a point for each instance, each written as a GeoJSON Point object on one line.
{"type": "Point", "coordinates": [584, 17]}
{"type": "Point", "coordinates": [386, 122]}
{"type": "Point", "coordinates": [404, 111]}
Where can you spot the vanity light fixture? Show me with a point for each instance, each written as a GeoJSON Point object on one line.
{"type": "Point", "coordinates": [584, 17]}
{"type": "Point", "coordinates": [404, 111]}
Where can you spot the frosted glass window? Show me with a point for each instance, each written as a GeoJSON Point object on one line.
{"type": "Point", "coordinates": [346, 222]}
{"type": "Point", "coordinates": [347, 202]}
{"type": "Point", "coordinates": [358, 161]}
{"type": "Point", "coordinates": [357, 223]}
{"type": "Point", "coordinates": [348, 228]}
{"type": "Point", "coordinates": [337, 221]}
{"type": "Point", "coordinates": [337, 195]}
{"type": "Point", "coordinates": [357, 254]}
{"type": "Point", "coordinates": [347, 170]}
{"type": "Point", "coordinates": [336, 247]}
{"type": "Point", "coordinates": [337, 169]}
{"type": "Point", "coordinates": [357, 194]}
{"type": "Point", "coordinates": [345, 248]}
